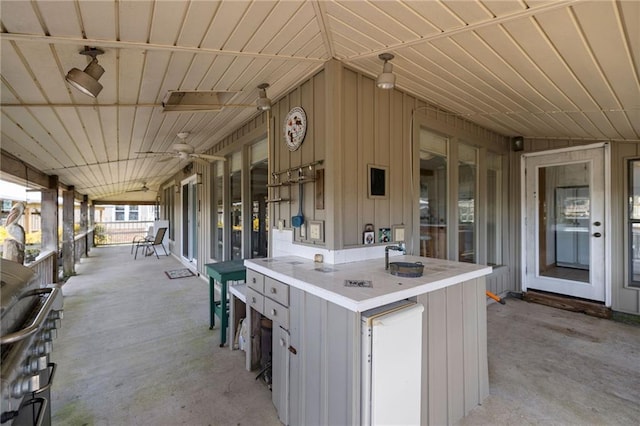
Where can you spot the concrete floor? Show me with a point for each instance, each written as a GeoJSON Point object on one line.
{"type": "Point", "coordinates": [135, 349]}
{"type": "Point", "coordinates": [553, 367]}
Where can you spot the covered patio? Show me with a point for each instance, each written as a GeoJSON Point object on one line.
{"type": "Point", "coordinates": [135, 348]}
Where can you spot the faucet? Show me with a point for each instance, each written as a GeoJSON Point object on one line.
{"type": "Point", "coordinates": [398, 247]}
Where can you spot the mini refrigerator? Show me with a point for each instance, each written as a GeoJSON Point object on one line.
{"type": "Point", "coordinates": [391, 364]}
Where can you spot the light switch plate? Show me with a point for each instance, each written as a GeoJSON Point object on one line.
{"type": "Point", "coordinates": [303, 231]}
{"type": "Point", "coordinates": [280, 224]}
{"type": "Point", "coordinates": [316, 230]}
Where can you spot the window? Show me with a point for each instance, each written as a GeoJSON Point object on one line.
{"type": "Point", "coordinates": [133, 213]}
{"type": "Point", "coordinates": [169, 193]}
{"type": "Point", "coordinates": [467, 182]}
{"type": "Point", "coordinates": [634, 223]}
{"type": "Point", "coordinates": [119, 212]}
{"type": "Point", "coordinates": [235, 182]}
{"type": "Point", "coordinates": [494, 209]}
{"type": "Point", "coordinates": [217, 213]}
{"type": "Point", "coordinates": [433, 195]}
{"type": "Point", "coordinates": [259, 218]}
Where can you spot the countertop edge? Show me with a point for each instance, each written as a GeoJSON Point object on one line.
{"type": "Point", "coordinates": [374, 302]}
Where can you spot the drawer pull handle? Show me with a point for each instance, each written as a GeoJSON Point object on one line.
{"type": "Point", "coordinates": [253, 300]}
{"type": "Point", "coordinates": [273, 312]}
{"type": "Point", "coordinates": [253, 279]}
{"type": "Point", "coordinates": [273, 290]}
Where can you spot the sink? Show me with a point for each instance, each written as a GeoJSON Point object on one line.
{"type": "Point", "coordinates": [406, 269]}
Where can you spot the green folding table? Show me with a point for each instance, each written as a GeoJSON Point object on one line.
{"type": "Point", "coordinates": [223, 272]}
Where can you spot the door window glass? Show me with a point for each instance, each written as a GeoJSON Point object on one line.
{"type": "Point", "coordinates": [564, 212]}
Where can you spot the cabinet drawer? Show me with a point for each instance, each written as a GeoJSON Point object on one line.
{"type": "Point", "coordinates": [276, 312]}
{"type": "Point", "coordinates": [276, 290]}
{"type": "Point", "coordinates": [255, 281]}
{"type": "Point", "coordinates": [255, 300]}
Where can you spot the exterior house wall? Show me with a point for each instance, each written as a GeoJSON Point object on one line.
{"type": "Point", "coordinates": [351, 124]}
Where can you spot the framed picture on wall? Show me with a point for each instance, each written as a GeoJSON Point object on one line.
{"type": "Point", "coordinates": [398, 233]}
{"type": "Point", "coordinates": [377, 180]}
{"type": "Point", "coordinates": [369, 237]}
{"type": "Point", "coordinates": [384, 235]}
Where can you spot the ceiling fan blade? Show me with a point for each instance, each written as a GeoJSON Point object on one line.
{"type": "Point", "coordinates": [200, 160]}
{"type": "Point", "coordinates": [162, 160]}
{"type": "Point", "coordinates": [154, 152]}
{"type": "Point", "coordinates": [210, 157]}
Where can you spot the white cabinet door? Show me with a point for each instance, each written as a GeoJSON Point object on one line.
{"type": "Point", "coordinates": [280, 372]}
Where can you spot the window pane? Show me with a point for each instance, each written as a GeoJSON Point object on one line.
{"type": "Point", "coordinates": [236, 215]}
{"type": "Point", "coordinates": [259, 218]}
{"type": "Point", "coordinates": [133, 213]}
{"type": "Point", "coordinates": [467, 172]}
{"type": "Point", "coordinates": [433, 195]}
{"type": "Point", "coordinates": [635, 253]}
{"type": "Point", "coordinates": [634, 225]}
{"type": "Point", "coordinates": [564, 212]}
{"type": "Point", "coordinates": [220, 214]}
{"type": "Point", "coordinates": [634, 197]}
{"type": "Point", "coordinates": [494, 207]}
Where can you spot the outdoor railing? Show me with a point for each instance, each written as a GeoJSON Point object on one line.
{"type": "Point", "coordinates": [83, 243]}
{"type": "Point", "coordinates": [45, 266]}
{"type": "Point", "coordinates": [120, 232]}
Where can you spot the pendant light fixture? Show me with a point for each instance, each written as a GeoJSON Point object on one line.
{"type": "Point", "coordinates": [87, 81]}
{"type": "Point", "coordinates": [263, 103]}
{"type": "Point", "coordinates": [386, 79]}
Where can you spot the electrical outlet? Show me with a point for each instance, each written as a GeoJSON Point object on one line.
{"type": "Point", "coordinates": [303, 231]}
{"type": "Point", "coordinates": [280, 224]}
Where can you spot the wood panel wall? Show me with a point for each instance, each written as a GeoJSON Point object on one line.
{"type": "Point", "coordinates": [352, 123]}
{"type": "Point", "coordinates": [379, 128]}
{"type": "Point", "coordinates": [454, 352]}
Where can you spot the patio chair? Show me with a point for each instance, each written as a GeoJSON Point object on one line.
{"type": "Point", "coordinates": [149, 245]}
{"type": "Point", "coordinates": [149, 237]}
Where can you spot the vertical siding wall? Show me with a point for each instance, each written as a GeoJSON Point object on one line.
{"type": "Point", "coordinates": [351, 124]}
{"type": "Point", "coordinates": [311, 96]}
{"type": "Point", "coordinates": [251, 132]}
{"type": "Point", "coordinates": [454, 352]}
{"type": "Point", "coordinates": [624, 298]}
{"type": "Point", "coordinates": [378, 128]}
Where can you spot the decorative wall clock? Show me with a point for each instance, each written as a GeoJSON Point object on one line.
{"type": "Point", "coordinates": [295, 128]}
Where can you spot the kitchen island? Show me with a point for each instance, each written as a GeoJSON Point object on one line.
{"type": "Point", "coordinates": [317, 345]}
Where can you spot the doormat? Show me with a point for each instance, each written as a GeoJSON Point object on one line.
{"type": "Point", "coordinates": [179, 273]}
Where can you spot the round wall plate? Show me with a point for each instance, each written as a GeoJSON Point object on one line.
{"type": "Point", "coordinates": [295, 128]}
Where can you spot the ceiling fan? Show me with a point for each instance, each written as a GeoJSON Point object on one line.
{"type": "Point", "coordinates": [184, 151]}
{"type": "Point", "coordinates": [144, 188]}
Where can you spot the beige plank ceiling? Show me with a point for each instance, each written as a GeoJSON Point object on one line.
{"type": "Point", "coordinates": [540, 69]}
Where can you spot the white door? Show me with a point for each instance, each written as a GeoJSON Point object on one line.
{"type": "Point", "coordinates": [564, 227]}
{"type": "Point", "coordinates": [190, 220]}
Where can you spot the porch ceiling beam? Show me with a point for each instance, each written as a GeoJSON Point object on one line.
{"type": "Point", "coordinates": [149, 46]}
{"type": "Point", "coordinates": [15, 167]}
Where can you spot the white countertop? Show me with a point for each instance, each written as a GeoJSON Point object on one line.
{"type": "Point", "coordinates": [328, 280]}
